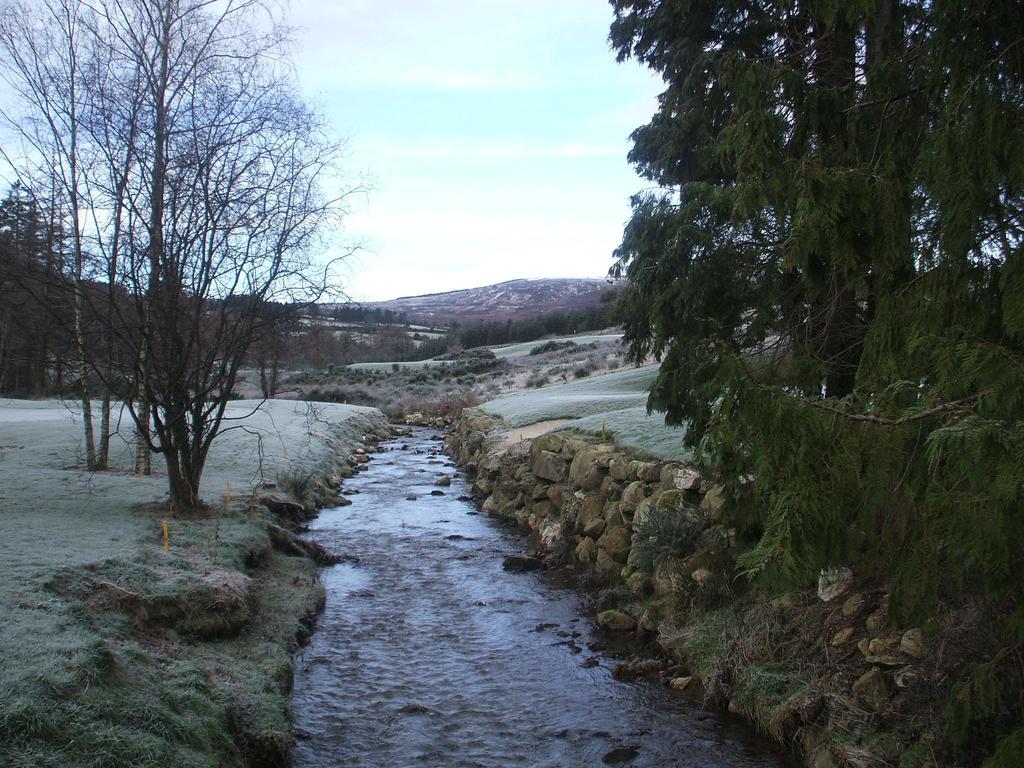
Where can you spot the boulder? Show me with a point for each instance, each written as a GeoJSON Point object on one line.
{"type": "Point", "coordinates": [618, 469]}
{"type": "Point", "coordinates": [444, 481]}
{"type": "Point", "coordinates": [589, 510]}
{"type": "Point", "coordinates": [713, 502]}
{"type": "Point", "coordinates": [605, 564]}
{"type": "Point", "coordinates": [643, 510]}
{"type": "Point", "coordinates": [610, 487]}
{"type": "Point", "coordinates": [879, 646]}
{"type": "Point", "coordinates": [878, 620]}
{"type": "Point", "coordinates": [639, 584]}
{"type": "Point", "coordinates": [550, 466]}
{"type": "Point", "coordinates": [873, 688]}
{"type": "Point", "coordinates": [912, 644]}
{"type": "Point", "coordinates": [615, 541]}
{"type": "Point", "coordinates": [645, 471]}
{"type": "Point", "coordinates": [679, 477]}
{"type": "Point", "coordinates": [492, 504]}
{"type": "Point", "coordinates": [550, 534]}
{"type": "Point", "coordinates": [632, 495]}
{"type": "Point", "coordinates": [594, 528]}
{"type": "Point", "coordinates": [585, 471]}
{"type": "Point", "coordinates": [853, 604]}
{"type": "Point", "coordinates": [561, 443]}
{"type": "Point", "coordinates": [335, 501]}
{"type": "Point", "coordinates": [617, 621]}
{"type": "Point", "coordinates": [878, 656]}
{"type": "Point", "coordinates": [612, 516]}
{"type": "Point", "coordinates": [833, 582]}
{"type": "Point", "coordinates": [556, 495]}
{"type": "Point", "coordinates": [842, 637]}
{"type": "Point", "coordinates": [586, 551]}
{"type": "Point", "coordinates": [544, 509]}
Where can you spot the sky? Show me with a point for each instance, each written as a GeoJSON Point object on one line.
{"type": "Point", "coordinates": [493, 135]}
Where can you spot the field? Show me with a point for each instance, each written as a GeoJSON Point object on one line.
{"type": "Point", "coordinates": [52, 513]}
{"type": "Point", "coordinates": [502, 353]}
{"type": "Point", "coordinates": [442, 387]}
{"type": "Point", "coordinates": [612, 404]}
{"type": "Point", "coordinates": [524, 349]}
{"type": "Point", "coordinates": [79, 685]}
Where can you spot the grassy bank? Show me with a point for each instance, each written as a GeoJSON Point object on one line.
{"type": "Point", "coordinates": [118, 653]}
{"type": "Point", "coordinates": [611, 405]}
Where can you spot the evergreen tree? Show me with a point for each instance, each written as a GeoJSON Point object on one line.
{"type": "Point", "coordinates": [830, 272]}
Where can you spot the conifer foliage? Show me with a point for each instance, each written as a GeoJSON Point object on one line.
{"type": "Point", "coordinates": [830, 268]}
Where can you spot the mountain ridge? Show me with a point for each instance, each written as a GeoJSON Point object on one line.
{"type": "Point", "coordinates": [507, 300]}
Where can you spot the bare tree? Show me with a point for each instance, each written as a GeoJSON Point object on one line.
{"type": "Point", "coordinates": [42, 62]}
{"type": "Point", "coordinates": [205, 196]}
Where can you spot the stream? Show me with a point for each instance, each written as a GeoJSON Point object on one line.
{"type": "Point", "coordinates": [429, 653]}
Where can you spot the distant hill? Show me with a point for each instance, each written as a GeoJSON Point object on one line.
{"type": "Point", "coordinates": [515, 299]}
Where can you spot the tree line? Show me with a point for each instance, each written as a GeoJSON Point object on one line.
{"type": "Point", "coordinates": [512, 331]}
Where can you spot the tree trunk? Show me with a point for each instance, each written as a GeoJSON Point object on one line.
{"type": "Point", "coordinates": [183, 482]}
{"type": "Point", "coordinates": [143, 456]}
{"type": "Point", "coordinates": [103, 450]}
{"type": "Point", "coordinates": [83, 384]}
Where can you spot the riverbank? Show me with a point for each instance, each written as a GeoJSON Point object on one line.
{"type": "Point", "coordinates": [826, 672]}
{"type": "Point", "coordinates": [119, 653]}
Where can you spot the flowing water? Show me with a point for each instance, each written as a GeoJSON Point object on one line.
{"type": "Point", "coordinates": [429, 654]}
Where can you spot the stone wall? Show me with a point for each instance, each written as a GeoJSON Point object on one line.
{"type": "Point", "coordinates": [825, 672]}
{"type": "Point", "coordinates": [584, 499]}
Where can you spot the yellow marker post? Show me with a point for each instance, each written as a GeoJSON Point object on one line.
{"type": "Point", "coordinates": [227, 493]}
{"type": "Point", "coordinates": [167, 537]}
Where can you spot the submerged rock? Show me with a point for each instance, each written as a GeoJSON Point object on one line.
{"type": "Point", "coordinates": [620, 755]}
{"type": "Point", "coordinates": [519, 563]}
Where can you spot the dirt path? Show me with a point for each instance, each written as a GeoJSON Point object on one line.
{"type": "Point", "coordinates": [534, 430]}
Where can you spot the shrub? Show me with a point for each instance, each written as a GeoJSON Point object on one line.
{"type": "Point", "coordinates": [582, 371]}
{"type": "Point", "coordinates": [553, 346]}
{"type": "Point", "coordinates": [664, 534]}
{"type": "Point", "coordinates": [300, 484]}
